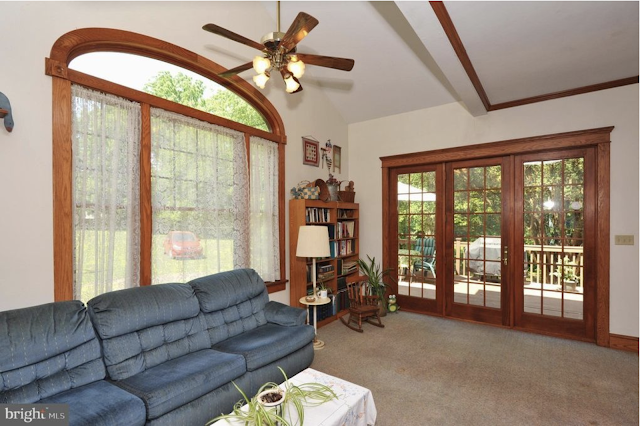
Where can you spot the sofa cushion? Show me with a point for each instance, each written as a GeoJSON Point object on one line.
{"type": "Point", "coordinates": [101, 404]}
{"type": "Point", "coordinates": [281, 314]}
{"type": "Point", "coordinates": [177, 382]}
{"type": "Point", "coordinates": [145, 326]}
{"type": "Point", "coordinates": [45, 350]}
{"type": "Point", "coordinates": [268, 343]}
{"type": "Point", "coordinates": [232, 302]}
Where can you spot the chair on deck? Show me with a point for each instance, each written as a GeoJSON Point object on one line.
{"type": "Point", "coordinates": [426, 246]}
{"type": "Point", "coordinates": [361, 306]}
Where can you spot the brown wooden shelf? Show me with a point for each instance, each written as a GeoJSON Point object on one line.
{"type": "Point", "coordinates": [299, 266]}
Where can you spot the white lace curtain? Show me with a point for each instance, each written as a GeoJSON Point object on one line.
{"type": "Point", "coordinates": [264, 219]}
{"type": "Point", "coordinates": [200, 207]}
{"type": "Point", "coordinates": [106, 176]}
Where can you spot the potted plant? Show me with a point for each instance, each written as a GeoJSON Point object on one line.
{"type": "Point", "coordinates": [322, 290]}
{"type": "Point", "coordinates": [566, 272]}
{"type": "Point", "coordinates": [375, 276]}
{"type": "Point", "coordinates": [269, 406]}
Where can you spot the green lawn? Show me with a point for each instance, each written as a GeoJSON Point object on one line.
{"type": "Point", "coordinates": [218, 257]}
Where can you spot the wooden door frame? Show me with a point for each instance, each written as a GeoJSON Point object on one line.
{"type": "Point", "coordinates": [600, 138]}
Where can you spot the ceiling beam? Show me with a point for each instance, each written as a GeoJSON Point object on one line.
{"type": "Point", "coordinates": [427, 27]}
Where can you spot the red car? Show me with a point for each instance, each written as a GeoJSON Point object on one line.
{"type": "Point", "coordinates": [182, 245]}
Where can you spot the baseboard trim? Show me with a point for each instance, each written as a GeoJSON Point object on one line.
{"type": "Point", "coordinates": [624, 343]}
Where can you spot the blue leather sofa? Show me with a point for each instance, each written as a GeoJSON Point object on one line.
{"type": "Point", "coordinates": [159, 355]}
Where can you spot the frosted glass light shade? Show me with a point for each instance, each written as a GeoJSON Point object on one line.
{"type": "Point", "coordinates": [261, 64]}
{"type": "Point", "coordinates": [313, 241]}
{"type": "Point", "coordinates": [260, 80]}
{"type": "Point", "coordinates": [291, 84]}
{"type": "Point", "coordinates": [296, 68]}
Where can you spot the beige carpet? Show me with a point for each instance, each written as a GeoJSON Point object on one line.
{"type": "Point", "coordinates": [430, 371]}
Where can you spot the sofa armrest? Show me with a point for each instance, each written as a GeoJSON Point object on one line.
{"type": "Point", "coordinates": [281, 314]}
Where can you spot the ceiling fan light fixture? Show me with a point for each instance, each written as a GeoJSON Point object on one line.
{"type": "Point", "coordinates": [261, 64]}
{"type": "Point", "coordinates": [296, 68]}
{"type": "Point", "coordinates": [261, 79]}
{"type": "Point", "coordinates": [291, 84]}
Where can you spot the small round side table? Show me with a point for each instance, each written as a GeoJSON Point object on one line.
{"type": "Point", "coordinates": [317, 344]}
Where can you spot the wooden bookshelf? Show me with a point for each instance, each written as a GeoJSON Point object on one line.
{"type": "Point", "coordinates": [342, 219]}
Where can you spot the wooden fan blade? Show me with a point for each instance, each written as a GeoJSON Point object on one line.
{"type": "Point", "coordinates": [212, 28]}
{"type": "Point", "coordinates": [327, 61]}
{"type": "Point", "coordinates": [300, 27]}
{"type": "Point", "coordinates": [236, 70]}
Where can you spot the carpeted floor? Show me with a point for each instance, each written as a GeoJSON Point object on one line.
{"type": "Point", "coordinates": [426, 370]}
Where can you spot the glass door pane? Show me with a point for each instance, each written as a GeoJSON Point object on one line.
{"type": "Point", "coordinates": [477, 229]}
{"type": "Point", "coordinates": [417, 234]}
{"type": "Point", "coordinates": [553, 219]}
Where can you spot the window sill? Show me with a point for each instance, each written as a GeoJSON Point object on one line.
{"type": "Point", "coordinates": [275, 286]}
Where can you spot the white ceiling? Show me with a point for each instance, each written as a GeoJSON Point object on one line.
{"type": "Point", "coordinates": [524, 49]}
{"type": "Point", "coordinates": [404, 61]}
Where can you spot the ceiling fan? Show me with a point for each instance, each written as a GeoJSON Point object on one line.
{"type": "Point", "coordinates": [279, 53]}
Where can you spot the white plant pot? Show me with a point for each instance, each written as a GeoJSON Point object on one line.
{"type": "Point", "coordinates": [322, 294]}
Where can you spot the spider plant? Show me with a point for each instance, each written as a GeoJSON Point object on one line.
{"type": "Point", "coordinates": [295, 396]}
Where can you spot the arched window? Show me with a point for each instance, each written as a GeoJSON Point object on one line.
{"type": "Point", "coordinates": [148, 190]}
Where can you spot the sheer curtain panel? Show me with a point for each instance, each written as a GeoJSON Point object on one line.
{"type": "Point", "coordinates": [106, 176]}
{"type": "Point", "coordinates": [200, 198]}
{"type": "Point", "coordinates": [265, 234]}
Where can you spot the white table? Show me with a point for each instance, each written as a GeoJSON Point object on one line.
{"type": "Point", "coordinates": [354, 406]}
{"type": "Point", "coordinates": [318, 301]}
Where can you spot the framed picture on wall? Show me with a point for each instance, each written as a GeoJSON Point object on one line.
{"type": "Point", "coordinates": [310, 152]}
{"type": "Point", "coordinates": [337, 158]}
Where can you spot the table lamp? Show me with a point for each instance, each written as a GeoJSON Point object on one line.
{"type": "Point", "coordinates": [313, 241]}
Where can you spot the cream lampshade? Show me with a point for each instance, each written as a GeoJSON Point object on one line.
{"type": "Point", "coordinates": [313, 241]}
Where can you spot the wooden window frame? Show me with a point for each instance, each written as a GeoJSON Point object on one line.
{"type": "Point", "coordinates": [599, 138]}
{"type": "Point", "coordinates": [87, 40]}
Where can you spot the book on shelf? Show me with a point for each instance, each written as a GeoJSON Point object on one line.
{"type": "Point", "coordinates": [325, 268]}
{"type": "Point", "coordinates": [323, 311]}
{"type": "Point", "coordinates": [346, 229]}
{"type": "Point", "coordinates": [346, 247]}
{"type": "Point", "coordinates": [315, 214]}
{"type": "Point", "coordinates": [349, 267]}
{"type": "Point", "coordinates": [325, 276]}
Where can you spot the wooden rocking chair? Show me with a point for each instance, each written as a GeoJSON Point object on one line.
{"type": "Point", "coordinates": [361, 306]}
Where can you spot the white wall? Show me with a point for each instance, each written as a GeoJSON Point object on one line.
{"type": "Point", "coordinates": [451, 125]}
{"type": "Point", "coordinates": [30, 29]}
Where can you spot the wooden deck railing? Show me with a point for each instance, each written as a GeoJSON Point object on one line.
{"type": "Point", "coordinates": [541, 262]}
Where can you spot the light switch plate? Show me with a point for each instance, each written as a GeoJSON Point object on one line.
{"type": "Point", "coordinates": [624, 240]}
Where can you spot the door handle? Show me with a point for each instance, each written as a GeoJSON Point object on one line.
{"type": "Point", "coordinates": [505, 255]}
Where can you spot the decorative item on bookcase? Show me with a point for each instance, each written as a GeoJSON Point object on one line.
{"type": "Point", "coordinates": [305, 190]}
{"type": "Point", "coordinates": [334, 186]}
{"type": "Point", "coordinates": [324, 190]}
{"type": "Point", "coordinates": [349, 194]}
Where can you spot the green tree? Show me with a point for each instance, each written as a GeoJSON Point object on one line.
{"type": "Point", "coordinates": [178, 88]}
{"type": "Point", "coordinates": [187, 91]}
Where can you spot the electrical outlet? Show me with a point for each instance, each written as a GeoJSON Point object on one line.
{"type": "Point", "coordinates": [624, 240]}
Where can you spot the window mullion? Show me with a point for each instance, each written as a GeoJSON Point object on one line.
{"type": "Point", "coordinates": [146, 225]}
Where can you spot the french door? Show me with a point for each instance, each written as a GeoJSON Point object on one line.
{"type": "Point", "coordinates": [509, 240]}
{"type": "Point", "coordinates": [554, 222]}
{"type": "Point", "coordinates": [477, 233]}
